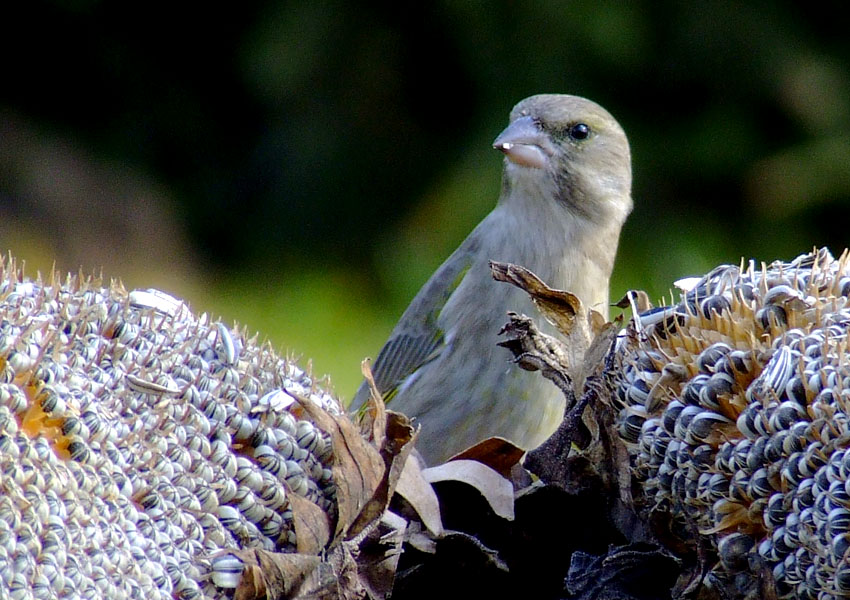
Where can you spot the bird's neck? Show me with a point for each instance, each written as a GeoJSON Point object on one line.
{"type": "Point", "coordinates": [566, 249]}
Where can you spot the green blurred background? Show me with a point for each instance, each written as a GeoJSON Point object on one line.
{"type": "Point", "coordinates": [303, 167]}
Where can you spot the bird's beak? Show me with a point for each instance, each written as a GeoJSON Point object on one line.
{"type": "Point", "coordinates": [524, 144]}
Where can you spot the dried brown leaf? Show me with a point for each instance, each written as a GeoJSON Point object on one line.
{"type": "Point", "coordinates": [413, 487]}
{"type": "Point", "coordinates": [312, 525]}
{"type": "Point", "coordinates": [398, 443]}
{"type": "Point", "coordinates": [295, 576]}
{"type": "Point", "coordinates": [497, 453]}
{"type": "Point", "coordinates": [341, 560]}
{"type": "Point", "coordinates": [561, 308]}
{"type": "Point", "coordinates": [358, 468]}
{"type": "Point", "coordinates": [377, 558]}
{"type": "Point", "coordinates": [399, 433]}
{"type": "Point", "coordinates": [595, 354]}
{"type": "Point", "coordinates": [536, 351]}
{"type": "Point", "coordinates": [276, 576]}
{"type": "Point", "coordinates": [497, 490]}
{"type": "Point", "coordinates": [373, 423]}
{"type": "Point", "coordinates": [423, 542]}
{"type": "Point", "coordinates": [252, 584]}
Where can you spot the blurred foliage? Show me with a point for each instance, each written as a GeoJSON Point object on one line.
{"type": "Point", "coordinates": [302, 167]}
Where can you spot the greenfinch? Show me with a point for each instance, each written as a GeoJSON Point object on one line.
{"type": "Point", "coordinates": [566, 191]}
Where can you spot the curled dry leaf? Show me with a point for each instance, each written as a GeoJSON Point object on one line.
{"type": "Point", "coordinates": [588, 335]}
{"type": "Point", "coordinates": [373, 422]}
{"type": "Point", "coordinates": [398, 443]}
{"type": "Point", "coordinates": [312, 526]}
{"type": "Point", "coordinates": [413, 487]}
{"type": "Point", "coordinates": [536, 351]}
{"type": "Point", "coordinates": [499, 454]}
{"type": "Point", "coordinates": [376, 533]}
{"type": "Point", "coordinates": [497, 490]}
{"type": "Point", "coordinates": [275, 576]}
{"type": "Point", "coordinates": [253, 585]}
{"type": "Point", "coordinates": [420, 539]}
{"type": "Point", "coordinates": [596, 353]}
{"type": "Point", "coordinates": [378, 555]}
{"type": "Point", "coordinates": [560, 308]}
{"type": "Point", "coordinates": [399, 438]}
{"type": "Point", "coordinates": [358, 467]}
{"type": "Point", "coordinates": [326, 564]}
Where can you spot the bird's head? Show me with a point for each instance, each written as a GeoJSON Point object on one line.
{"type": "Point", "coordinates": [572, 147]}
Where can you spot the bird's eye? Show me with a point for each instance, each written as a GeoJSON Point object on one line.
{"type": "Point", "coordinates": [579, 131]}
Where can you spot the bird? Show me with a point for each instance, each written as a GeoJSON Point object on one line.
{"type": "Point", "coordinates": [565, 194]}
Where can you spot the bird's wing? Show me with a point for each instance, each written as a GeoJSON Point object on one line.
{"type": "Point", "coordinates": [418, 337]}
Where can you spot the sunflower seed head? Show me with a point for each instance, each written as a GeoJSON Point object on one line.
{"type": "Point", "coordinates": [126, 460]}
{"type": "Point", "coordinates": [756, 438]}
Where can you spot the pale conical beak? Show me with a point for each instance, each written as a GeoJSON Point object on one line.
{"type": "Point", "coordinates": [524, 144]}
